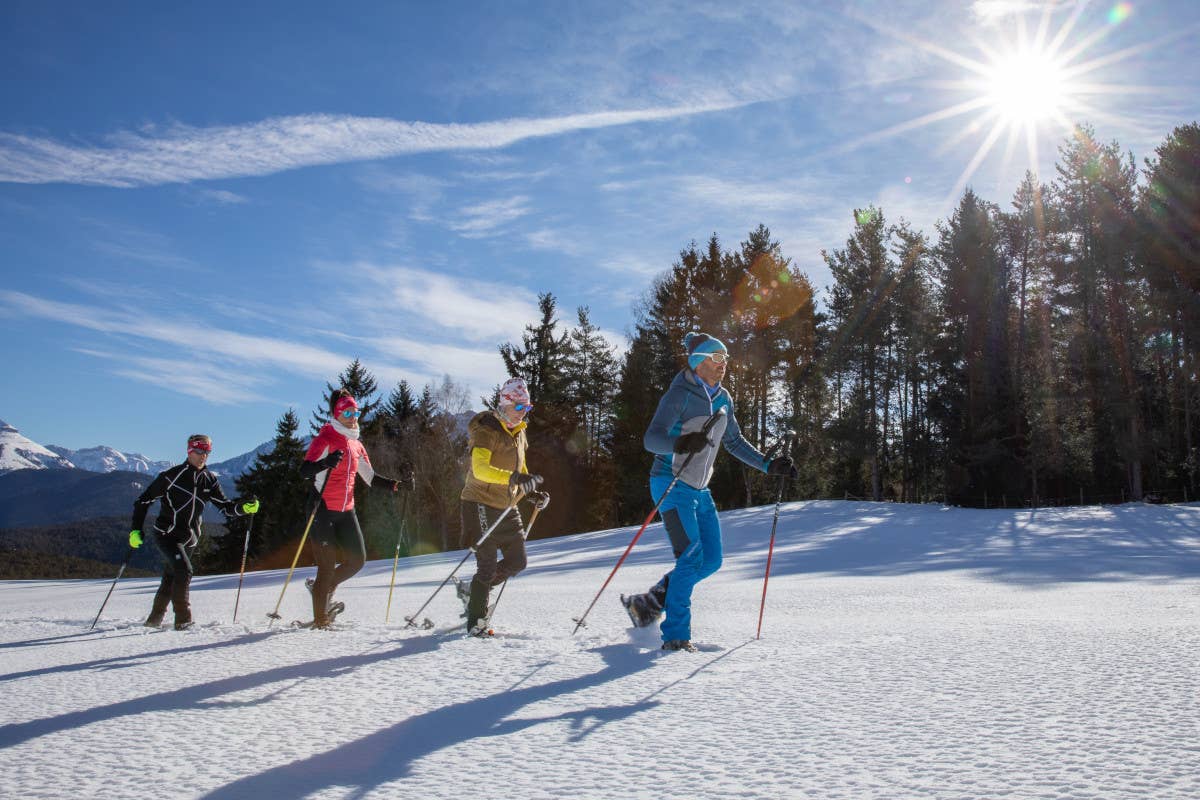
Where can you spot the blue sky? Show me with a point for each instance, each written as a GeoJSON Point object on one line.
{"type": "Point", "coordinates": [207, 210]}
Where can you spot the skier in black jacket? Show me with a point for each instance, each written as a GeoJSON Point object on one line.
{"type": "Point", "coordinates": [183, 490]}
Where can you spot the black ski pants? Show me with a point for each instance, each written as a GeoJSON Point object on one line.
{"type": "Point", "coordinates": [334, 534]}
{"type": "Point", "coordinates": [176, 581]}
{"type": "Point", "coordinates": [490, 569]}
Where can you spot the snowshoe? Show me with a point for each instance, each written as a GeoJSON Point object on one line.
{"type": "Point", "coordinates": [482, 629]}
{"type": "Point", "coordinates": [680, 644]}
{"type": "Point", "coordinates": [330, 615]}
{"type": "Point", "coordinates": [641, 609]}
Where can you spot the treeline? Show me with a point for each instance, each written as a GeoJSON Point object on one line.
{"type": "Point", "coordinates": [1038, 353]}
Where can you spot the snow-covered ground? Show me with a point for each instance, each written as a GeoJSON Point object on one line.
{"type": "Point", "coordinates": [907, 652]}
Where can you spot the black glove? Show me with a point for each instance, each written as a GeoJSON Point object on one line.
{"type": "Point", "coordinates": [691, 442]}
{"type": "Point", "coordinates": [524, 482]}
{"type": "Point", "coordinates": [406, 481]}
{"type": "Point", "coordinates": [332, 460]}
{"type": "Point", "coordinates": [539, 499]}
{"type": "Point", "coordinates": [782, 466]}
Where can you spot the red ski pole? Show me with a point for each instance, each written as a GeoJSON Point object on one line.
{"type": "Point", "coordinates": [787, 437]}
{"type": "Point", "coordinates": [581, 621]}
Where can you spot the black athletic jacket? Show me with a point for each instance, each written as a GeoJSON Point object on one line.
{"type": "Point", "coordinates": [183, 490]}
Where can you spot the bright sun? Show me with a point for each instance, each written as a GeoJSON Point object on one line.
{"type": "Point", "coordinates": [1025, 82]}
{"type": "Point", "coordinates": [1026, 88]}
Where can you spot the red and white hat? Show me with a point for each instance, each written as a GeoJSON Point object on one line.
{"type": "Point", "coordinates": [514, 392]}
{"type": "Point", "coordinates": [344, 403]}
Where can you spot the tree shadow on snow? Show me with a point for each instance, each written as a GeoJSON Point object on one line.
{"type": "Point", "coordinates": [1110, 543]}
{"type": "Point", "coordinates": [390, 754]}
{"type": "Point", "coordinates": [206, 695]}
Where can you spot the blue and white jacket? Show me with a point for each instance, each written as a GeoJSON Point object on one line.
{"type": "Point", "coordinates": [685, 408]}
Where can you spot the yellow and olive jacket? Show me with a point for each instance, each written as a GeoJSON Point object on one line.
{"type": "Point", "coordinates": [496, 453]}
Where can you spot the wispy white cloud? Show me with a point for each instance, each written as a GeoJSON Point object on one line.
{"type": "Point", "coordinates": [222, 197]}
{"type": "Point", "coordinates": [183, 153]}
{"type": "Point", "coordinates": [485, 219]}
{"type": "Point", "coordinates": [449, 306]}
{"type": "Point", "coordinates": [555, 241]}
{"type": "Point", "coordinates": [210, 382]}
{"type": "Point", "coordinates": [191, 338]}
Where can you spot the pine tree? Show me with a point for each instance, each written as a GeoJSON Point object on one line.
{"type": "Point", "coordinates": [1169, 208]}
{"type": "Point", "coordinates": [360, 383]}
{"type": "Point", "coordinates": [275, 479]}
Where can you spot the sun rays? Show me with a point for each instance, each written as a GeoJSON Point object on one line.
{"type": "Point", "coordinates": [1014, 85]}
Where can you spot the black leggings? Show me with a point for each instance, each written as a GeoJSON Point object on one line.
{"type": "Point", "coordinates": [175, 586]}
{"type": "Point", "coordinates": [506, 540]}
{"type": "Point", "coordinates": [334, 531]}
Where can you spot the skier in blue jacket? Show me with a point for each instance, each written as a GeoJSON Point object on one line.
{"type": "Point", "coordinates": [688, 512]}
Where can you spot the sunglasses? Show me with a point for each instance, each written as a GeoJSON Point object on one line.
{"type": "Point", "coordinates": [351, 413]}
{"type": "Point", "coordinates": [199, 447]}
{"type": "Point", "coordinates": [523, 406]}
{"type": "Point", "coordinates": [718, 358]}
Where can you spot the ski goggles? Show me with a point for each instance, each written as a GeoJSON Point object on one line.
{"type": "Point", "coordinates": [351, 413]}
{"type": "Point", "coordinates": [717, 358]}
{"type": "Point", "coordinates": [523, 407]}
{"type": "Point", "coordinates": [199, 446]}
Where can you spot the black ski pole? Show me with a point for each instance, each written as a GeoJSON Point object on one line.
{"type": "Point", "coordinates": [242, 574]}
{"type": "Point", "coordinates": [396, 561]}
{"type": "Point", "coordinates": [411, 620]}
{"type": "Point", "coordinates": [581, 620]}
{"type": "Point", "coordinates": [120, 572]}
{"type": "Point", "coordinates": [788, 439]}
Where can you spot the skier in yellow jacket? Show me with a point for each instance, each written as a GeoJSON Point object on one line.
{"type": "Point", "coordinates": [498, 477]}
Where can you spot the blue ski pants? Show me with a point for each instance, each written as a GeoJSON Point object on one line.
{"type": "Point", "coordinates": [690, 518]}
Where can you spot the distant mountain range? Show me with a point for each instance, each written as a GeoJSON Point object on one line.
{"type": "Point", "coordinates": [20, 452]}
{"type": "Point", "coordinates": [46, 485]}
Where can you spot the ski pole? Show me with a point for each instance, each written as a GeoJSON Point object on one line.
{"type": "Point", "coordinates": [274, 615]}
{"type": "Point", "coordinates": [788, 439]}
{"type": "Point", "coordinates": [581, 621]}
{"type": "Point", "coordinates": [524, 536]}
{"type": "Point", "coordinates": [120, 572]}
{"type": "Point", "coordinates": [242, 574]}
{"type": "Point", "coordinates": [396, 561]}
{"type": "Point", "coordinates": [411, 620]}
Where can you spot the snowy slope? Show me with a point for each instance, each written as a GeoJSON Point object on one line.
{"type": "Point", "coordinates": [107, 459]}
{"type": "Point", "coordinates": [19, 452]}
{"type": "Point", "coordinates": [907, 652]}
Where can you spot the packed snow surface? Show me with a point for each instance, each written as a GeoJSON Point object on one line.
{"type": "Point", "coordinates": [906, 652]}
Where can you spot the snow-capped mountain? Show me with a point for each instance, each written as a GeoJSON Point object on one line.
{"type": "Point", "coordinates": [20, 452]}
{"type": "Point", "coordinates": [107, 459]}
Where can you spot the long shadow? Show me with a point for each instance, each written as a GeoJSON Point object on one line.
{"type": "Point", "coordinates": [205, 693]}
{"type": "Point", "coordinates": [119, 662]}
{"type": "Point", "coordinates": [1048, 545]}
{"type": "Point", "coordinates": [390, 754]}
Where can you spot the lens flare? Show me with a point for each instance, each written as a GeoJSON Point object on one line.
{"type": "Point", "coordinates": [1119, 13]}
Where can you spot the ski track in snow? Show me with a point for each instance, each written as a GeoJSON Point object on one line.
{"type": "Point", "coordinates": [907, 652]}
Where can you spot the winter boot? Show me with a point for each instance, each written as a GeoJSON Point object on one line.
{"type": "Point", "coordinates": [643, 610]}
{"type": "Point", "coordinates": [183, 626]}
{"type": "Point", "coordinates": [477, 605]}
{"type": "Point", "coordinates": [679, 644]}
{"type": "Point", "coordinates": [154, 620]}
